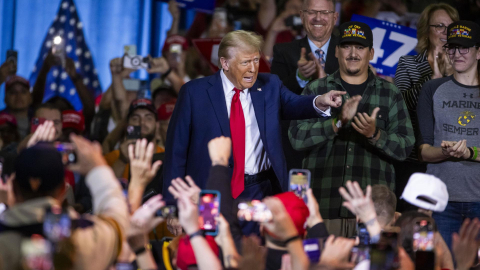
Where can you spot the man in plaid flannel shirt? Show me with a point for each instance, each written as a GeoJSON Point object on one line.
{"type": "Point", "coordinates": [361, 138]}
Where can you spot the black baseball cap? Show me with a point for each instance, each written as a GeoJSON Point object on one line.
{"type": "Point", "coordinates": [142, 103]}
{"type": "Point", "coordinates": [41, 161]}
{"type": "Point", "coordinates": [357, 32]}
{"type": "Point", "coordinates": [463, 33]}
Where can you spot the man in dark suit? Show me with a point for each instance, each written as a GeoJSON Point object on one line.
{"type": "Point", "coordinates": [237, 102]}
{"type": "Point", "coordinates": [300, 61]}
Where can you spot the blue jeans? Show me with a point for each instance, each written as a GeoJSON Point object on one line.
{"type": "Point", "coordinates": [450, 220]}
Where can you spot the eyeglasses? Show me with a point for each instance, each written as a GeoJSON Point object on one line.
{"type": "Point", "coordinates": [440, 28]}
{"type": "Point", "coordinates": [461, 50]}
{"type": "Point", "coordinates": [311, 12]}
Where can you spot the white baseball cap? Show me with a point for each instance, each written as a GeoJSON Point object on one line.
{"type": "Point", "coordinates": [426, 191]}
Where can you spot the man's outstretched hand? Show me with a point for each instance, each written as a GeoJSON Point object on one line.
{"type": "Point", "coordinates": [331, 99]}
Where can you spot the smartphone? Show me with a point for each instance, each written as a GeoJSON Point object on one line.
{"type": "Point", "coordinates": [168, 211]}
{"type": "Point", "coordinates": [68, 152]}
{"type": "Point", "coordinates": [37, 253]}
{"type": "Point", "coordinates": [135, 62]}
{"type": "Point", "coordinates": [58, 49]}
{"type": "Point", "coordinates": [313, 248]}
{"type": "Point", "coordinates": [384, 255]}
{"type": "Point", "coordinates": [57, 224]}
{"type": "Point", "coordinates": [134, 132]}
{"type": "Point", "coordinates": [293, 21]}
{"type": "Point", "coordinates": [35, 123]}
{"type": "Point", "coordinates": [359, 253]}
{"type": "Point", "coordinates": [363, 235]}
{"type": "Point", "coordinates": [254, 210]}
{"type": "Point", "coordinates": [299, 182]}
{"type": "Point", "coordinates": [12, 56]}
{"type": "Point", "coordinates": [424, 244]}
{"type": "Point", "coordinates": [144, 94]}
{"type": "Point", "coordinates": [209, 209]}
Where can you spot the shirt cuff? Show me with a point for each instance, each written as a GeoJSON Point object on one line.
{"type": "Point", "coordinates": [301, 83]}
{"type": "Point", "coordinates": [326, 113]}
{"type": "Point", "coordinates": [382, 140]}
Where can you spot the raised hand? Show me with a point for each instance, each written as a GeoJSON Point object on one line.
{"type": "Point", "coordinates": [141, 167]}
{"type": "Point", "coordinates": [179, 188]}
{"type": "Point", "coordinates": [188, 214]}
{"type": "Point", "coordinates": [336, 253]}
{"type": "Point", "coordinates": [89, 155]}
{"type": "Point", "coordinates": [306, 68]}
{"type": "Point", "coordinates": [315, 217]}
{"type": "Point", "coordinates": [44, 133]}
{"type": "Point", "coordinates": [7, 69]}
{"type": "Point", "coordinates": [158, 65]}
{"type": "Point", "coordinates": [365, 124]}
{"type": "Point", "coordinates": [465, 244]}
{"type": "Point", "coordinates": [281, 225]}
{"type": "Point", "coordinates": [219, 150]}
{"type": "Point", "coordinates": [331, 99]}
{"type": "Point", "coordinates": [116, 68]}
{"type": "Point", "coordinates": [359, 204]}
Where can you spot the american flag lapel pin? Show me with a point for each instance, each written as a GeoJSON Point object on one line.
{"type": "Point", "coordinates": [259, 89]}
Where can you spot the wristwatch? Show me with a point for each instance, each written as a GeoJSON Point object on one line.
{"type": "Point", "coordinates": [338, 122]}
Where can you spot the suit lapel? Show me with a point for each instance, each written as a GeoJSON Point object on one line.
{"type": "Point", "coordinates": [304, 44]}
{"type": "Point", "coordinates": [258, 99]}
{"type": "Point", "coordinates": [217, 97]}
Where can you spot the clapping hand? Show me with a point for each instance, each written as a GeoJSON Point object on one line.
{"type": "Point", "coordinates": [365, 124]}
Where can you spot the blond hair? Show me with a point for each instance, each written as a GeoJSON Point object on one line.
{"type": "Point", "coordinates": [423, 24]}
{"type": "Point", "coordinates": [239, 39]}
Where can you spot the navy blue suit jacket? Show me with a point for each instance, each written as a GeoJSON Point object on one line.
{"type": "Point", "coordinates": [201, 114]}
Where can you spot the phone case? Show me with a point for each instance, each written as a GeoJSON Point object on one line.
{"type": "Point", "coordinates": [217, 193]}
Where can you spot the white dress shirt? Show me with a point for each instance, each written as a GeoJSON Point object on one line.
{"type": "Point", "coordinates": [256, 159]}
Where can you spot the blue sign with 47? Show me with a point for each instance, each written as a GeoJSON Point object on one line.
{"type": "Point", "coordinates": [390, 42]}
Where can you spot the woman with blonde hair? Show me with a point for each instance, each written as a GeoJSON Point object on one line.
{"type": "Point", "coordinates": [414, 70]}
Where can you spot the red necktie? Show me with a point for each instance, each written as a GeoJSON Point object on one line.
{"type": "Point", "coordinates": [237, 131]}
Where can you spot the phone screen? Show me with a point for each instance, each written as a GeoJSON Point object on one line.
{"type": "Point", "coordinates": [12, 56]}
{"type": "Point", "coordinates": [57, 224]}
{"type": "Point", "coordinates": [37, 253]}
{"type": "Point", "coordinates": [423, 236]}
{"type": "Point", "coordinates": [209, 208]}
{"type": "Point", "coordinates": [134, 132]}
{"type": "Point", "coordinates": [253, 210]}
{"type": "Point", "coordinates": [68, 152]}
{"type": "Point", "coordinates": [363, 235]}
{"type": "Point", "coordinates": [299, 182]}
{"type": "Point", "coordinates": [384, 255]}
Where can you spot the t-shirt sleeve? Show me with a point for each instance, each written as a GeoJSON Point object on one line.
{"type": "Point", "coordinates": [426, 119]}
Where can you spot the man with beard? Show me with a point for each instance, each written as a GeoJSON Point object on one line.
{"type": "Point", "coordinates": [141, 113]}
{"type": "Point", "coordinates": [361, 138]}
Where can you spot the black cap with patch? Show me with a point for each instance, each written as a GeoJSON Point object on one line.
{"type": "Point", "coordinates": [463, 33]}
{"type": "Point", "coordinates": [357, 32]}
{"type": "Point", "coordinates": [142, 103]}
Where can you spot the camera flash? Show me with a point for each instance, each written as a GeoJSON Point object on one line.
{"type": "Point", "coordinates": [57, 40]}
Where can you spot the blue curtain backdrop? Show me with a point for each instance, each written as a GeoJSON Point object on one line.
{"type": "Point", "coordinates": [108, 25]}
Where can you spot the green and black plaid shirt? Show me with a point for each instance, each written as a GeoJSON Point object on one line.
{"type": "Point", "coordinates": [334, 159]}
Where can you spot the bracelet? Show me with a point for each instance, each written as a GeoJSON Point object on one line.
{"type": "Point", "coordinates": [371, 221]}
{"type": "Point", "coordinates": [143, 249]}
{"type": "Point", "coordinates": [301, 76]}
{"type": "Point", "coordinates": [197, 233]}
{"type": "Point", "coordinates": [471, 153]}
{"type": "Point", "coordinates": [164, 75]}
{"type": "Point", "coordinates": [475, 155]}
{"type": "Point", "coordinates": [374, 134]}
{"type": "Point", "coordinates": [293, 238]}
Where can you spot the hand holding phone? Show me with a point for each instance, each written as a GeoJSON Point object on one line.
{"type": "Point", "coordinates": [134, 132]}
{"type": "Point", "coordinates": [68, 152]}
{"type": "Point", "coordinates": [209, 210]}
{"type": "Point", "coordinates": [424, 244]}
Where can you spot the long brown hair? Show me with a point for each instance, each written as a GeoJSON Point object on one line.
{"type": "Point", "coordinates": [423, 24]}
